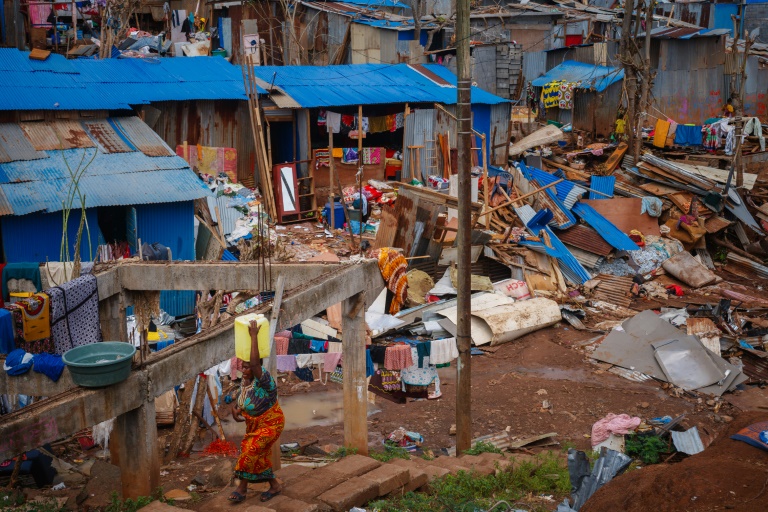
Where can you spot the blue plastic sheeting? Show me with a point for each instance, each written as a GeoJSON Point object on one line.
{"type": "Point", "coordinates": [602, 184]}
{"type": "Point", "coordinates": [605, 228]}
{"type": "Point", "coordinates": [113, 84]}
{"type": "Point", "coordinates": [567, 190]}
{"type": "Point", "coordinates": [377, 3]}
{"type": "Point", "coordinates": [588, 76]}
{"type": "Point", "coordinates": [366, 84]}
{"type": "Point", "coordinates": [228, 256]}
{"type": "Point", "coordinates": [578, 273]}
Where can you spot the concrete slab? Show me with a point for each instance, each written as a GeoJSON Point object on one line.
{"type": "Point", "coordinates": [158, 506]}
{"type": "Point", "coordinates": [291, 473]}
{"type": "Point", "coordinates": [388, 478]}
{"type": "Point", "coordinates": [353, 465]}
{"type": "Point", "coordinates": [310, 488]}
{"type": "Point", "coordinates": [432, 472]}
{"type": "Point", "coordinates": [417, 476]}
{"type": "Point", "coordinates": [353, 493]}
{"type": "Point", "coordinates": [452, 464]}
{"type": "Point", "coordinates": [282, 503]}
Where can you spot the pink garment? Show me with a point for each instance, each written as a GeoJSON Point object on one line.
{"type": "Point", "coordinates": [330, 361]}
{"type": "Point", "coordinates": [235, 365]}
{"type": "Point", "coordinates": [281, 345]}
{"type": "Point", "coordinates": [613, 424]}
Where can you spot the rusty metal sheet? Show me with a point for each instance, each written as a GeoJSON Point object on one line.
{"type": "Point", "coordinates": [105, 136]}
{"type": "Point", "coordinates": [614, 289]}
{"type": "Point", "coordinates": [586, 239]}
{"type": "Point", "coordinates": [142, 136]}
{"type": "Point", "coordinates": [58, 134]}
{"type": "Point", "coordinates": [5, 205]}
{"type": "Point", "coordinates": [14, 145]}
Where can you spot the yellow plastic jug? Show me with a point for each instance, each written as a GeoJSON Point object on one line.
{"type": "Point", "coordinates": [243, 337]}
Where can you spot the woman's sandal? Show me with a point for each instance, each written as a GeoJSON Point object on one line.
{"type": "Point", "coordinates": [236, 497]}
{"type": "Point", "coordinates": [268, 495]}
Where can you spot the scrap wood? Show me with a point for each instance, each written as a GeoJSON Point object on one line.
{"type": "Point", "coordinates": [541, 137]}
{"type": "Point", "coordinates": [534, 441]}
{"type": "Point", "coordinates": [613, 160]}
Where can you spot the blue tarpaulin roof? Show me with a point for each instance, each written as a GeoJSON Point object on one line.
{"type": "Point", "coordinates": [588, 76]}
{"type": "Point", "coordinates": [367, 84]}
{"type": "Point", "coordinates": [112, 84]}
{"type": "Point", "coordinates": [38, 178]}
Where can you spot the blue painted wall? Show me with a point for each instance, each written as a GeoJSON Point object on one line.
{"type": "Point", "coordinates": [171, 224]}
{"type": "Point", "coordinates": [481, 122]}
{"type": "Point", "coordinates": [37, 236]}
{"type": "Point", "coordinates": [722, 16]}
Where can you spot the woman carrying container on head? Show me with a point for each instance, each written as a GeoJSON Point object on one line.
{"type": "Point", "coordinates": [264, 421]}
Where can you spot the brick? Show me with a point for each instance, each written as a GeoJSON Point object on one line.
{"type": "Point", "coordinates": [157, 506]}
{"type": "Point", "coordinates": [489, 456]}
{"type": "Point", "coordinates": [353, 465]}
{"type": "Point", "coordinates": [388, 478]}
{"type": "Point", "coordinates": [258, 508]}
{"type": "Point", "coordinates": [353, 493]}
{"type": "Point", "coordinates": [314, 485]}
{"type": "Point", "coordinates": [282, 503]}
{"type": "Point", "coordinates": [477, 464]}
{"type": "Point", "coordinates": [292, 473]}
{"type": "Point", "coordinates": [417, 473]}
{"type": "Point", "coordinates": [452, 464]}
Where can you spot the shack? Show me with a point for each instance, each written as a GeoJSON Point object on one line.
{"type": "Point", "coordinates": [406, 136]}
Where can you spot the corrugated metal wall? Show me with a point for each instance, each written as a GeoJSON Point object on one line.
{"type": "Point", "coordinates": [220, 123]}
{"type": "Point", "coordinates": [418, 127]}
{"type": "Point", "coordinates": [172, 225]}
{"type": "Point", "coordinates": [37, 236]}
{"type": "Point", "coordinates": [484, 67]}
{"type": "Point", "coordinates": [534, 65]}
{"type": "Point", "coordinates": [500, 116]}
{"type": "Point", "coordinates": [596, 112]}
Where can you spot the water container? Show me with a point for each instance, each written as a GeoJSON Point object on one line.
{"type": "Point", "coordinates": [338, 214]}
{"type": "Point", "coordinates": [243, 337]}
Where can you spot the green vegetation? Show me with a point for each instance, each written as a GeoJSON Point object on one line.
{"type": "Point", "coordinates": [467, 492]}
{"type": "Point", "coordinates": [482, 447]}
{"type": "Point", "coordinates": [342, 452]}
{"type": "Point", "coordinates": [646, 448]}
{"type": "Point", "coordinates": [389, 453]}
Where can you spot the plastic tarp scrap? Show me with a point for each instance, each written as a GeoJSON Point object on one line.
{"type": "Point", "coordinates": [586, 482]}
{"type": "Point", "coordinates": [605, 228]}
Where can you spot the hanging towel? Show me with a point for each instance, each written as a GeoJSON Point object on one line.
{"type": "Point", "coordinates": [422, 349]}
{"type": "Point", "coordinates": [443, 351]}
{"type": "Point", "coordinates": [303, 360]}
{"type": "Point", "coordinates": [333, 121]}
{"type": "Point", "coordinates": [281, 345]}
{"type": "Point", "coordinates": [753, 127]}
{"type": "Point", "coordinates": [377, 124]}
{"type": "Point", "coordinates": [350, 156]}
{"type": "Point", "coordinates": [6, 332]}
{"type": "Point", "coordinates": [398, 357]}
{"type": "Point", "coordinates": [331, 360]}
{"type": "Point", "coordinates": [371, 156]}
{"type": "Point", "coordinates": [30, 271]}
{"type": "Point", "coordinates": [660, 136]}
{"type": "Point", "coordinates": [688, 135]}
{"type": "Point", "coordinates": [298, 346]}
{"type": "Point", "coordinates": [75, 314]}
{"type": "Point", "coordinates": [334, 346]}
{"type": "Point", "coordinates": [417, 376]}
{"type": "Point", "coordinates": [286, 363]}
{"type": "Point", "coordinates": [377, 353]}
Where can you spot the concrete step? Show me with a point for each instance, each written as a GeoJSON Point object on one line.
{"type": "Point", "coordinates": [353, 465]}
{"type": "Point", "coordinates": [418, 476]}
{"type": "Point", "coordinates": [292, 473]}
{"type": "Point", "coordinates": [282, 503]}
{"type": "Point", "coordinates": [388, 478]}
{"type": "Point", "coordinates": [355, 492]}
{"type": "Point", "coordinates": [314, 484]}
{"type": "Point", "coordinates": [452, 464]}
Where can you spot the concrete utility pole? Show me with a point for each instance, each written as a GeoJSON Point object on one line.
{"type": "Point", "coordinates": [463, 339]}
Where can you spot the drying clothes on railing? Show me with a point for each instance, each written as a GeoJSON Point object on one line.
{"type": "Point", "coordinates": [415, 375]}
{"type": "Point", "coordinates": [550, 94]}
{"type": "Point", "coordinates": [32, 323]}
{"type": "Point", "coordinates": [7, 337]}
{"type": "Point", "coordinates": [286, 363]}
{"type": "Point", "coordinates": [334, 346]}
{"type": "Point", "coordinates": [50, 365]}
{"type": "Point", "coordinates": [688, 135]}
{"type": "Point", "coordinates": [322, 158]}
{"type": "Point", "coordinates": [281, 345]}
{"type": "Point", "coordinates": [29, 271]}
{"type": "Point", "coordinates": [18, 362]}
{"type": "Point", "coordinates": [753, 127]}
{"type": "Point", "coordinates": [398, 357]}
{"type": "Point", "coordinates": [393, 267]}
{"type": "Point", "coordinates": [443, 351]}
{"type": "Point", "coordinates": [75, 313]}
{"type": "Point", "coordinates": [331, 360]}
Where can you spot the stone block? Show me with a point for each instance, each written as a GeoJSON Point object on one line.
{"type": "Point", "coordinates": [477, 464]}
{"type": "Point", "coordinates": [282, 503]}
{"type": "Point", "coordinates": [314, 485]}
{"type": "Point", "coordinates": [416, 472]}
{"type": "Point", "coordinates": [489, 456]}
{"type": "Point", "coordinates": [452, 464]}
{"type": "Point", "coordinates": [353, 465]}
{"type": "Point", "coordinates": [257, 508]}
{"type": "Point", "coordinates": [159, 506]}
{"type": "Point", "coordinates": [291, 473]}
{"type": "Point", "coordinates": [353, 493]}
{"type": "Point", "coordinates": [388, 478]}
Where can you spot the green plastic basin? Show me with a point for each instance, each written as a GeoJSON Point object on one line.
{"type": "Point", "coordinates": [99, 364]}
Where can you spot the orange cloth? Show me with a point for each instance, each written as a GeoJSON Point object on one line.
{"type": "Point", "coordinates": [660, 136]}
{"type": "Point", "coordinates": [261, 432]}
{"type": "Point", "coordinates": [393, 266]}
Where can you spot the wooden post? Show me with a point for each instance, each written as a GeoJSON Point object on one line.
{"type": "Point", "coordinates": [279, 288]}
{"type": "Point", "coordinates": [331, 172]}
{"type": "Point", "coordinates": [361, 168]}
{"type": "Point", "coordinates": [183, 422]}
{"type": "Point", "coordinates": [355, 382]}
{"type": "Point", "coordinates": [133, 444]}
{"type": "Point", "coordinates": [487, 200]}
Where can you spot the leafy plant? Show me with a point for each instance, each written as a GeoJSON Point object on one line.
{"type": "Point", "coordinates": [482, 447]}
{"type": "Point", "coordinates": [646, 448]}
{"type": "Point", "coordinates": [342, 452]}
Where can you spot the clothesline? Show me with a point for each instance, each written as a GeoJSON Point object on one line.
{"type": "Point", "coordinates": [346, 124]}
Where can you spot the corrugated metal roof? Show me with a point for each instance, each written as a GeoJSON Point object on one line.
{"type": "Point", "coordinates": [142, 136]}
{"type": "Point", "coordinates": [113, 84]}
{"type": "Point", "coordinates": [366, 84]}
{"type": "Point", "coordinates": [588, 76]}
{"type": "Point", "coordinates": [63, 134]}
{"type": "Point", "coordinates": [109, 140]}
{"type": "Point", "coordinates": [604, 227]}
{"type": "Point", "coordinates": [604, 184]}
{"type": "Point", "coordinates": [110, 178]}
{"type": "Point", "coordinates": [14, 145]}
{"type": "Point", "coordinates": [688, 442]}
{"type": "Point", "coordinates": [376, 3]}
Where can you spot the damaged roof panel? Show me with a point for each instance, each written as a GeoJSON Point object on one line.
{"type": "Point", "coordinates": [586, 239]}
{"type": "Point", "coordinates": [605, 228]}
{"type": "Point", "coordinates": [15, 146]}
{"type": "Point", "coordinates": [588, 76]}
{"type": "Point", "coordinates": [142, 136]}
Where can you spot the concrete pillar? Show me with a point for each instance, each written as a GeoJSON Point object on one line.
{"type": "Point", "coordinates": [112, 318]}
{"type": "Point", "coordinates": [355, 383]}
{"type": "Point", "coordinates": [133, 447]}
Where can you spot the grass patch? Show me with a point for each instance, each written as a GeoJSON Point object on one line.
{"type": "Point", "coordinates": [646, 448]}
{"type": "Point", "coordinates": [389, 453]}
{"type": "Point", "coordinates": [342, 452]}
{"type": "Point", "coordinates": [482, 447]}
{"type": "Point", "coordinates": [467, 492]}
